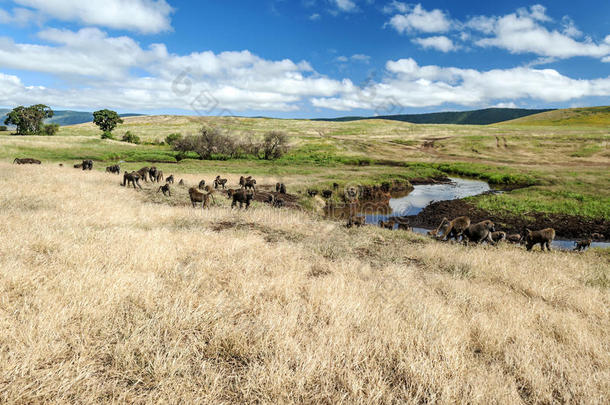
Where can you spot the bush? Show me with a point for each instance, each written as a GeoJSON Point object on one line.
{"type": "Point", "coordinates": [172, 138]}
{"type": "Point", "coordinates": [50, 129]}
{"type": "Point", "coordinates": [274, 145]}
{"type": "Point", "coordinates": [3, 128]}
{"type": "Point", "coordinates": [107, 135]}
{"type": "Point", "coordinates": [131, 138]}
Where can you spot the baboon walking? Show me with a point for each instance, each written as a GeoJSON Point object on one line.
{"type": "Point", "coordinates": [87, 164]}
{"type": "Point", "coordinates": [480, 232]}
{"type": "Point", "coordinates": [165, 189]}
{"type": "Point", "coordinates": [158, 176]}
{"type": "Point", "coordinates": [455, 228]}
{"type": "Point", "coordinates": [116, 169]}
{"type": "Point", "coordinates": [143, 173]}
{"type": "Point", "coordinates": [582, 245]}
{"type": "Point", "coordinates": [170, 179]}
{"type": "Point", "coordinates": [197, 196]}
{"type": "Point", "coordinates": [498, 236]}
{"type": "Point", "coordinates": [241, 197]}
{"type": "Point", "coordinates": [220, 182]}
{"type": "Point", "coordinates": [131, 178]}
{"type": "Point", "coordinates": [543, 237]}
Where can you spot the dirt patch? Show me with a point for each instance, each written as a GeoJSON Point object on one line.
{"type": "Point", "coordinates": [566, 226]}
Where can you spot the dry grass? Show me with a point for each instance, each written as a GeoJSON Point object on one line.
{"type": "Point", "coordinates": [107, 298]}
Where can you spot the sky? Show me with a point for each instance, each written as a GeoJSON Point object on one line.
{"type": "Point", "coordinates": [303, 58]}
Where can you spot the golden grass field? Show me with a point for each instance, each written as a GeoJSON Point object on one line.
{"type": "Point", "coordinates": [107, 296]}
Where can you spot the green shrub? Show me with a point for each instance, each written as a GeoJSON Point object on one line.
{"type": "Point", "coordinates": [50, 129]}
{"type": "Point", "coordinates": [131, 138]}
{"type": "Point", "coordinates": [3, 128]}
{"type": "Point", "coordinates": [171, 138]}
{"type": "Point", "coordinates": [107, 135]}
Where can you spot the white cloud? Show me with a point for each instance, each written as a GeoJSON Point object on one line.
{"type": "Point", "coordinates": [345, 5]}
{"type": "Point", "coordinates": [505, 105]}
{"type": "Point", "coordinates": [314, 17]}
{"type": "Point", "coordinates": [440, 43]}
{"type": "Point", "coordinates": [20, 16]}
{"type": "Point", "coordinates": [417, 19]}
{"type": "Point", "coordinates": [355, 58]}
{"type": "Point", "coordinates": [145, 16]}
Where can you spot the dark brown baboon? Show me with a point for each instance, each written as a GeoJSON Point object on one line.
{"type": "Point", "coordinates": [27, 161]}
{"type": "Point", "coordinates": [201, 184]}
{"type": "Point", "coordinates": [116, 169]}
{"type": "Point", "coordinates": [277, 187]}
{"type": "Point", "coordinates": [582, 245]}
{"type": "Point", "coordinates": [165, 189]}
{"type": "Point", "coordinates": [208, 189]}
{"type": "Point", "coordinates": [389, 224]}
{"type": "Point", "coordinates": [250, 184]}
{"type": "Point", "coordinates": [335, 186]}
{"type": "Point", "coordinates": [181, 182]}
{"type": "Point", "coordinates": [197, 196]}
{"type": "Point", "coordinates": [327, 193]}
{"type": "Point", "coordinates": [241, 197]}
{"type": "Point", "coordinates": [480, 232]}
{"type": "Point", "coordinates": [278, 202]}
{"type": "Point", "coordinates": [61, 165]}
{"type": "Point", "coordinates": [152, 174]}
{"type": "Point", "coordinates": [597, 236]}
{"type": "Point", "coordinates": [78, 166]}
{"type": "Point", "coordinates": [143, 173]}
{"type": "Point", "coordinates": [403, 224]}
{"type": "Point", "coordinates": [87, 164]}
{"type": "Point", "coordinates": [159, 176]}
{"type": "Point", "coordinates": [356, 220]}
{"type": "Point", "coordinates": [131, 178]}
{"type": "Point", "coordinates": [455, 228]}
{"type": "Point", "coordinates": [514, 238]}
{"type": "Point", "coordinates": [498, 236]}
{"type": "Point", "coordinates": [543, 237]}
{"type": "Point", "coordinates": [312, 193]}
{"type": "Point", "coordinates": [242, 181]}
{"type": "Point", "coordinates": [220, 182]}
{"type": "Point", "coordinates": [230, 193]}
{"type": "Point", "coordinates": [170, 179]}
{"type": "Point", "coordinates": [280, 188]}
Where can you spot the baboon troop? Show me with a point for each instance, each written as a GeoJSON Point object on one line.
{"type": "Point", "coordinates": [582, 245]}
{"type": "Point", "coordinates": [27, 161]}
{"type": "Point", "coordinates": [170, 179]}
{"type": "Point", "coordinates": [327, 193]}
{"type": "Point", "coordinates": [280, 188]}
{"type": "Point", "coordinates": [543, 237]}
{"type": "Point", "coordinates": [165, 189]}
{"type": "Point", "coordinates": [241, 196]}
{"type": "Point", "coordinates": [220, 182]}
{"type": "Point", "coordinates": [116, 169]}
{"type": "Point", "coordinates": [197, 196]}
{"type": "Point", "coordinates": [131, 178]}
{"type": "Point", "coordinates": [87, 164]}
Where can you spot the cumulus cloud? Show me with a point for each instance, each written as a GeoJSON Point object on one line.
{"type": "Point", "coordinates": [145, 16]}
{"type": "Point", "coordinates": [417, 19]}
{"type": "Point", "coordinates": [355, 58]}
{"type": "Point", "coordinates": [345, 5]}
{"type": "Point", "coordinates": [440, 43]}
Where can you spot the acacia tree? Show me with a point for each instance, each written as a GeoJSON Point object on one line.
{"type": "Point", "coordinates": [107, 120]}
{"type": "Point", "coordinates": [29, 120]}
{"type": "Point", "coordinates": [274, 145]}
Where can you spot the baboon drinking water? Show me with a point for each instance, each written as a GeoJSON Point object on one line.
{"type": "Point", "coordinates": [543, 237]}
{"type": "Point", "coordinates": [582, 245]}
{"type": "Point", "coordinates": [220, 182]}
{"type": "Point", "coordinates": [170, 179]}
{"type": "Point", "coordinates": [197, 196]}
{"type": "Point", "coordinates": [27, 161]}
{"type": "Point", "coordinates": [480, 232]}
{"type": "Point", "coordinates": [131, 178]}
{"type": "Point", "coordinates": [165, 189]}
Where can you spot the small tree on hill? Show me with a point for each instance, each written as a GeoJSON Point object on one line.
{"type": "Point", "coordinates": [29, 120]}
{"type": "Point", "coordinates": [274, 145]}
{"type": "Point", "coordinates": [107, 120]}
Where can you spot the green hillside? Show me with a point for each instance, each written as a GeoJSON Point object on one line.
{"type": "Point", "coordinates": [589, 116]}
{"type": "Point", "coordinates": [63, 117]}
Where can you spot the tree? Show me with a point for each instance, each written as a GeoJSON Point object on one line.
{"type": "Point", "coordinates": [3, 128]}
{"type": "Point", "coordinates": [131, 138]}
{"type": "Point", "coordinates": [29, 120]}
{"type": "Point", "coordinates": [210, 141]}
{"type": "Point", "coordinates": [107, 120]}
{"type": "Point", "coordinates": [275, 145]}
{"type": "Point", "coordinates": [50, 129]}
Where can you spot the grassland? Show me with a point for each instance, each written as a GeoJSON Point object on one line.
{"type": "Point", "coordinates": [565, 165]}
{"type": "Point", "coordinates": [109, 295]}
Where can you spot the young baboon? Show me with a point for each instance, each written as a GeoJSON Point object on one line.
{"type": "Point", "coordinates": [116, 169]}
{"type": "Point", "coordinates": [143, 173]}
{"type": "Point", "coordinates": [201, 184]}
{"type": "Point", "coordinates": [220, 182]}
{"type": "Point", "coordinates": [278, 202]}
{"type": "Point", "coordinates": [498, 236]}
{"type": "Point", "coordinates": [455, 228]}
{"type": "Point", "coordinates": [241, 197]}
{"type": "Point", "coordinates": [197, 196]}
{"type": "Point", "coordinates": [27, 161]}
{"type": "Point", "coordinates": [514, 238]}
{"type": "Point", "coordinates": [131, 178]}
{"type": "Point", "coordinates": [312, 193]}
{"type": "Point", "coordinates": [61, 165]}
{"type": "Point", "coordinates": [356, 220]}
{"type": "Point", "coordinates": [582, 245]}
{"type": "Point", "coordinates": [208, 189]}
{"type": "Point", "coordinates": [389, 224]}
{"type": "Point", "coordinates": [170, 179]}
{"type": "Point", "coordinates": [165, 189]}
{"type": "Point", "coordinates": [250, 184]}
{"type": "Point", "coordinates": [543, 237]}
{"type": "Point", "coordinates": [327, 193]}
{"type": "Point", "coordinates": [480, 232]}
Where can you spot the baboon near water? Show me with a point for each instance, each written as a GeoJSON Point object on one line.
{"type": "Point", "coordinates": [131, 178]}
{"type": "Point", "coordinates": [455, 228]}
{"type": "Point", "coordinates": [582, 245]}
{"type": "Point", "coordinates": [165, 189]}
{"type": "Point", "coordinates": [241, 197]}
{"type": "Point", "coordinates": [356, 220]}
{"type": "Point", "coordinates": [543, 237]}
{"type": "Point", "coordinates": [170, 179]}
{"type": "Point", "coordinates": [197, 196]}
{"type": "Point", "coordinates": [389, 224]}
{"type": "Point", "coordinates": [480, 232]}
{"type": "Point", "coordinates": [27, 161]}
{"type": "Point", "coordinates": [220, 182]}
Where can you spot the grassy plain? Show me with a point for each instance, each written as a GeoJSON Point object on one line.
{"type": "Point", "coordinates": [109, 295]}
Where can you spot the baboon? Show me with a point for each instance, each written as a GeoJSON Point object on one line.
{"type": "Point", "coordinates": [116, 169]}
{"type": "Point", "coordinates": [78, 166]}
{"type": "Point", "coordinates": [208, 189]}
{"type": "Point", "coordinates": [220, 182]}
{"type": "Point", "coordinates": [455, 228]}
{"type": "Point", "coordinates": [131, 178]}
{"type": "Point", "coordinates": [170, 179]}
{"type": "Point", "coordinates": [87, 164]}
{"type": "Point", "coordinates": [165, 189]}
{"type": "Point", "coordinates": [480, 232]}
{"type": "Point", "coordinates": [61, 165]}
{"type": "Point", "coordinates": [197, 196]}
{"type": "Point", "coordinates": [241, 197]}
{"type": "Point", "coordinates": [27, 161]}
{"type": "Point", "coordinates": [143, 172]}
{"type": "Point", "coordinates": [327, 193]}
{"type": "Point", "coordinates": [312, 193]}
{"type": "Point", "coordinates": [597, 236]}
{"type": "Point", "coordinates": [277, 187]}
{"type": "Point", "coordinates": [582, 245]}
{"type": "Point", "coordinates": [389, 224]}
{"type": "Point", "coordinates": [543, 237]}
{"type": "Point", "coordinates": [201, 184]}
{"type": "Point", "coordinates": [356, 220]}
{"type": "Point", "coordinates": [158, 177]}
{"type": "Point", "coordinates": [277, 202]}
{"type": "Point", "coordinates": [152, 174]}
{"type": "Point", "coordinates": [498, 236]}
{"type": "Point", "coordinates": [435, 232]}
{"type": "Point", "coordinates": [280, 188]}
{"type": "Point", "coordinates": [514, 238]}
{"type": "Point", "coordinates": [242, 181]}
{"type": "Point", "coordinates": [335, 186]}
{"type": "Point", "coordinates": [181, 182]}
{"type": "Point", "coordinates": [402, 224]}
{"type": "Point", "coordinates": [250, 184]}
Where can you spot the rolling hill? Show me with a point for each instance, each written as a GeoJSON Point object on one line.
{"type": "Point", "coordinates": [589, 116]}
{"type": "Point", "coordinates": [476, 117]}
{"type": "Point", "coordinates": [64, 117]}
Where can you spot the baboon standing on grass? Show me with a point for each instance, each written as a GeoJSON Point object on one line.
{"type": "Point", "coordinates": [197, 196]}
{"type": "Point", "coordinates": [131, 178]}
{"type": "Point", "coordinates": [543, 237]}
{"type": "Point", "coordinates": [165, 189]}
{"type": "Point", "coordinates": [480, 232]}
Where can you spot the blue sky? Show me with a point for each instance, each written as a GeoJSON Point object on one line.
{"type": "Point", "coordinates": [303, 58]}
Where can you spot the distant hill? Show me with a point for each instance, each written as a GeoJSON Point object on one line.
{"type": "Point", "coordinates": [594, 116]}
{"type": "Point", "coordinates": [64, 117]}
{"type": "Point", "coordinates": [477, 117]}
